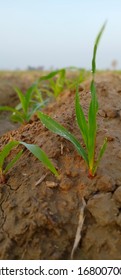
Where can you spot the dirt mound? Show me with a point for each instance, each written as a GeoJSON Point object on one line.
{"type": "Point", "coordinates": [39, 213]}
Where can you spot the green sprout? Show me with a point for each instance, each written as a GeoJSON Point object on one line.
{"type": "Point", "coordinates": [33, 100]}
{"type": "Point", "coordinates": [3, 155]}
{"type": "Point", "coordinates": [88, 127]}
{"type": "Point", "coordinates": [56, 83]}
{"type": "Point", "coordinates": [34, 149]}
{"type": "Point", "coordinates": [27, 107]}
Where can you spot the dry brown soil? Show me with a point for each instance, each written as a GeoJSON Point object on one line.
{"type": "Point", "coordinates": [39, 220]}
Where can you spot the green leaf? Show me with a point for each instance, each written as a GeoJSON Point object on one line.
{"type": "Point", "coordinates": [13, 161]}
{"type": "Point", "coordinates": [38, 95]}
{"type": "Point", "coordinates": [25, 102]}
{"type": "Point", "coordinates": [52, 86]}
{"type": "Point", "coordinates": [102, 150]}
{"type": "Point", "coordinates": [92, 125]}
{"type": "Point", "coordinates": [7, 108]}
{"type": "Point", "coordinates": [81, 120]}
{"type": "Point", "coordinates": [28, 95]}
{"type": "Point", "coordinates": [95, 48]}
{"type": "Point", "coordinates": [94, 96]}
{"type": "Point", "coordinates": [6, 150]}
{"type": "Point", "coordinates": [59, 84]}
{"type": "Point", "coordinates": [22, 99]}
{"type": "Point", "coordinates": [16, 118]}
{"type": "Point", "coordinates": [60, 130]}
{"type": "Point", "coordinates": [34, 109]}
{"type": "Point", "coordinates": [49, 76]}
{"type": "Point", "coordinates": [38, 153]}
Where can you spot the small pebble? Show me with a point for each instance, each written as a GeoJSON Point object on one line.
{"type": "Point", "coordinates": [51, 184]}
{"type": "Point", "coordinates": [111, 113]}
{"type": "Point", "coordinates": [66, 184]}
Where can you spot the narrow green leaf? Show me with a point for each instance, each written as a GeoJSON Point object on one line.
{"type": "Point", "coordinates": [60, 130]}
{"type": "Point", "coordinates": [57, 85]}
{"type": "Point", "coordinates": [13, 161]}
{"type": "Point", "coordinates": [38, 153]}
{"type": "Point", "coordinates": [60, 82]}
{"type": "Point", "coordinates": [6, 150]}
{"type": "Point", "coordinates": [28, 95]}
{"type": "Point", "coordinates": [7, 108]}
{"type": "Point", "coordinates": [34, 109]}
{"type": "Point", "coordinates": [81, 120]}
{"type": "Point", "coordinates": [38, 95]}
{"type": "Point", "coordinates": [40, 104]}
{"type": "Point", "coordinates": [94, 95]}
{"type": "Point", "coordinates": [17, 118]}
{"type": "Point", "coordinates": [49, 76]}
{"type": "Point", "coordinates": [22, 99]}
{"type": "Point", "coordinates": [102, 150]}
{"type": "Point", "coordinates": [92, 125]}
{"type": "Point", "coordinates": [48, 92]}
{"type": "Point", "coordinates": [52, 86]}
{"type": "Point", "coordinates": [95, 48]}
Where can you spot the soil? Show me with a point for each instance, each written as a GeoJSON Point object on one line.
{"type": "Point", "coordinates": [40, 213]}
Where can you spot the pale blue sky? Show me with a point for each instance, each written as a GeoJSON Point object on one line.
{"type": "Point", "coordinates": [58, 33]}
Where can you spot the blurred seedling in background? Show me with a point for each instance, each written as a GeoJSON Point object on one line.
{"type": "Point", "coordinates": [34, 149]}
{"type": "Point", "coordinates": [57, 81]}
{"type": "Point", "coordinates": [75, 77]}
{"type": "Point", "coordinates": [33, 100]}
{"type": "Point", "coordinates": [40, 94]}
{"type": "Point", "coordinates": [27, 107]}
{"type": "Point", "coordinates": [88, 127]}
{"type": "Point", "coordinates": [54, 83]}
